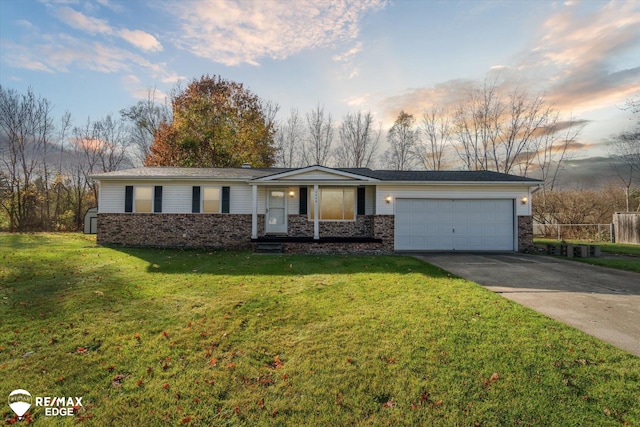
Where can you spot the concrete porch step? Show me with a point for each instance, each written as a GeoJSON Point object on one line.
{"type": "Point", "coordinates": [269, 248]}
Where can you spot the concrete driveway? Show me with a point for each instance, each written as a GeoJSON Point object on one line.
{"type": "Point", "coordinates": [600, 301]}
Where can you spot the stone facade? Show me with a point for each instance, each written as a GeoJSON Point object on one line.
{"type": "Point", "coordinates": [525, 233]}
{"type": "Point", "coordinates": [301, 226]}
{"type": "Point", "coordinates": [233, 231]}
{"type": "Point", "coordinates": [224, 231]}
{"type": "Point", "coordinates": [220, 231]}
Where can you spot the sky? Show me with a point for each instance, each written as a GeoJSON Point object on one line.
{"type": "Point", "coordinates": [94, 58]}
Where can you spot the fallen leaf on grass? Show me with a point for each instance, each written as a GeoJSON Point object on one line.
{"type": "Point", "coordinates": [389, 404]}
{"type": "Point", "coordinates": [277, 363]}
{"type": "Point", "coordinates": [117, 380]}
{"type": "Point", "coordinates": [213, 361]}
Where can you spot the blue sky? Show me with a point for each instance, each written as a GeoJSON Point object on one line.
{"type": "Point", "coordinates": [97, 57]}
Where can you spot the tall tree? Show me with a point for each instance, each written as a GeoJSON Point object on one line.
{"type": "Point", "coordinates": [26, 126]}
{"type": "Point", "coordinates": [435, 136]}
{"type": "Point", "coordinates": [504, 131]}
{"type": "Point", "coordinates": [358, 141]}
{"type": "Point", "coordinates": [145, 118]}
{"type": "Point", "coordinates": [216, 123]}
{"type": "Point", "coordinates": [99, 146]}
{"type": "Point", "coordinates": [625, 151]}
{"type": "Point", "coordinates": [289, 141]}
{"type": "Point", "coordinates": [402, 139]}
{"type": "Point", "coordinates": [319, 137]}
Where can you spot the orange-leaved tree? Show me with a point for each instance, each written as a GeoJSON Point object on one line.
{"type": "Point", "coordinates": [215, 123]}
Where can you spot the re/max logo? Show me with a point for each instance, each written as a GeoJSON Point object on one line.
{"type": "Point", "coordinates": [58, 401]}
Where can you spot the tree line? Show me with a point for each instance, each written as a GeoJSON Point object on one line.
{"type": "Point", "coordinates": [46, 162]}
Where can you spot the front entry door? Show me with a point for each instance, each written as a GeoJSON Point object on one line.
{"type": "Point", "coordinates": [276, 212]}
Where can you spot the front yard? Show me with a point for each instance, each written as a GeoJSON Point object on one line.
{"type": "Point", "coordinates": [157, 337]}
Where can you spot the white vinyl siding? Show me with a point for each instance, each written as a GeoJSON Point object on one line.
{"type": "Point", "coordinates": [450, 192]}
{"type": "Point", "coordinates": [176, 197]}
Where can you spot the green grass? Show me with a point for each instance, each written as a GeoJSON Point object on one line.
{"type": "Point", "coordinates": [168, 337]}
{"type": "Point", "coordinates": [631, 253]}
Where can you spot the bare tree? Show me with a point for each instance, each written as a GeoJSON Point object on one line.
{"type": "Point", "coordinates": [100, 146]}
{"type": "Point", "coordinates": [358, 141]}
{"type": "Point", "coordinates": [25, 130]}
{"type": "Point", "coordinates": [317, 149]}
{"type": "Point", "coordinates": [550, 149]}
{"type": "Point", "coordinates": [547, 157]}
{"type": "Point", "coordinates": [476, 127]}
{"type": "Point", "coordinates": [502, 132]}
{"type": "Point", "coordinates": [402, 139]}
{"type": "Point", "coordinates": [289, 141]}
{"type": "Point", "coordinates": [625, 151]}
{"type": "Point", "coordinates": [435, 136]}
{"type": "Point", "coordinates": [145, 118]}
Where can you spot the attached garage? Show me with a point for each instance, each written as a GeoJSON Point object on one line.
{"type": "Point", "coordinates": [454, 224]}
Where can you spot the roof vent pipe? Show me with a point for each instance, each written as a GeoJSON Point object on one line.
{"type": "Point", "coordinates": [246, 166]}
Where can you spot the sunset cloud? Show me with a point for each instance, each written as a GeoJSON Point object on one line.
{"type": "Point", "coordinates": [574, 60]}
{"type": "Point", "coordinates": [577, 54]}
{"type": "Point", "coordinates": [234, 32]}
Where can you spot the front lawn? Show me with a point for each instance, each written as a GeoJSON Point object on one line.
{"type": "Point", "coordinates": [157, 337]}
{"type": "Point", "coordinates": [629, 259]}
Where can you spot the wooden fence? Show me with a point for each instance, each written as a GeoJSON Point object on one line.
{"type": "Point", "coordinates": [627, 227]}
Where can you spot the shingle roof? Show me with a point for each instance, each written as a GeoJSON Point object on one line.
{"type": "Point", "coordinates": [440, 176]}
{"type": "Point", "coordinates": [253, 173]}
{"type": "Point", "coordinates": [174, 172]}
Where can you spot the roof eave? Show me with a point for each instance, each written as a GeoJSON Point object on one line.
{"type": "Point", "coordinates": [499, 183]}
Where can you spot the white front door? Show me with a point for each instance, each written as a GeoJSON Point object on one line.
{"type": "Point", "coordinates": [276, 211]}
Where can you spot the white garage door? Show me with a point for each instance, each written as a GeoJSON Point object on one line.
{"type": "Point", "coordinates": [461, 225]}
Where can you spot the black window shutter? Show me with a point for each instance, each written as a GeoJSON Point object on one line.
{"type": "Point", "coordinates": [361, 201]}
{"type": "Point", "coordinates": [128, 198]}
{"type": "Point", "coordinates": [195, 200]}
{"type": "Point", "coordinates": [303, 201]}
{"type": "Point", "coordinates": [226, 196]}
{"type": "Point", "coordinates": [157, 199]}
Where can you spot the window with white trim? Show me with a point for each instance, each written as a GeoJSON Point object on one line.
{"type": "Point", "coordinates": [334, 203]}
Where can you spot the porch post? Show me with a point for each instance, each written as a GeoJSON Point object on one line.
{"type": "Point", "coordinates": [254, 212]}
{"type": "Point", "coordinates": [316, 221]}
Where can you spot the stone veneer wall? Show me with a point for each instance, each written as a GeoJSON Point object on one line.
{"type": "Point", "coordinates": [525, 233]}
{"type": "Point", "coordinates": [301, 226]}
{"type": "Point", "coordinates": [223, 231]}
{"type": "Point", "coordinates": [233, 231]}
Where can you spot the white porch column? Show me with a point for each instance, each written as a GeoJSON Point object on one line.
{"type": "Point", "coordinates": [316, 221]}
{"type": "Point", "coordinates": [254, 212]}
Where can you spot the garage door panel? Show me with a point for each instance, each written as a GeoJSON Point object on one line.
{"type": "Point", "coordinates": [442, 224]}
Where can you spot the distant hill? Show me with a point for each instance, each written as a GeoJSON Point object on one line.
{"type": "Point", "coordinates": [590, 172]}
